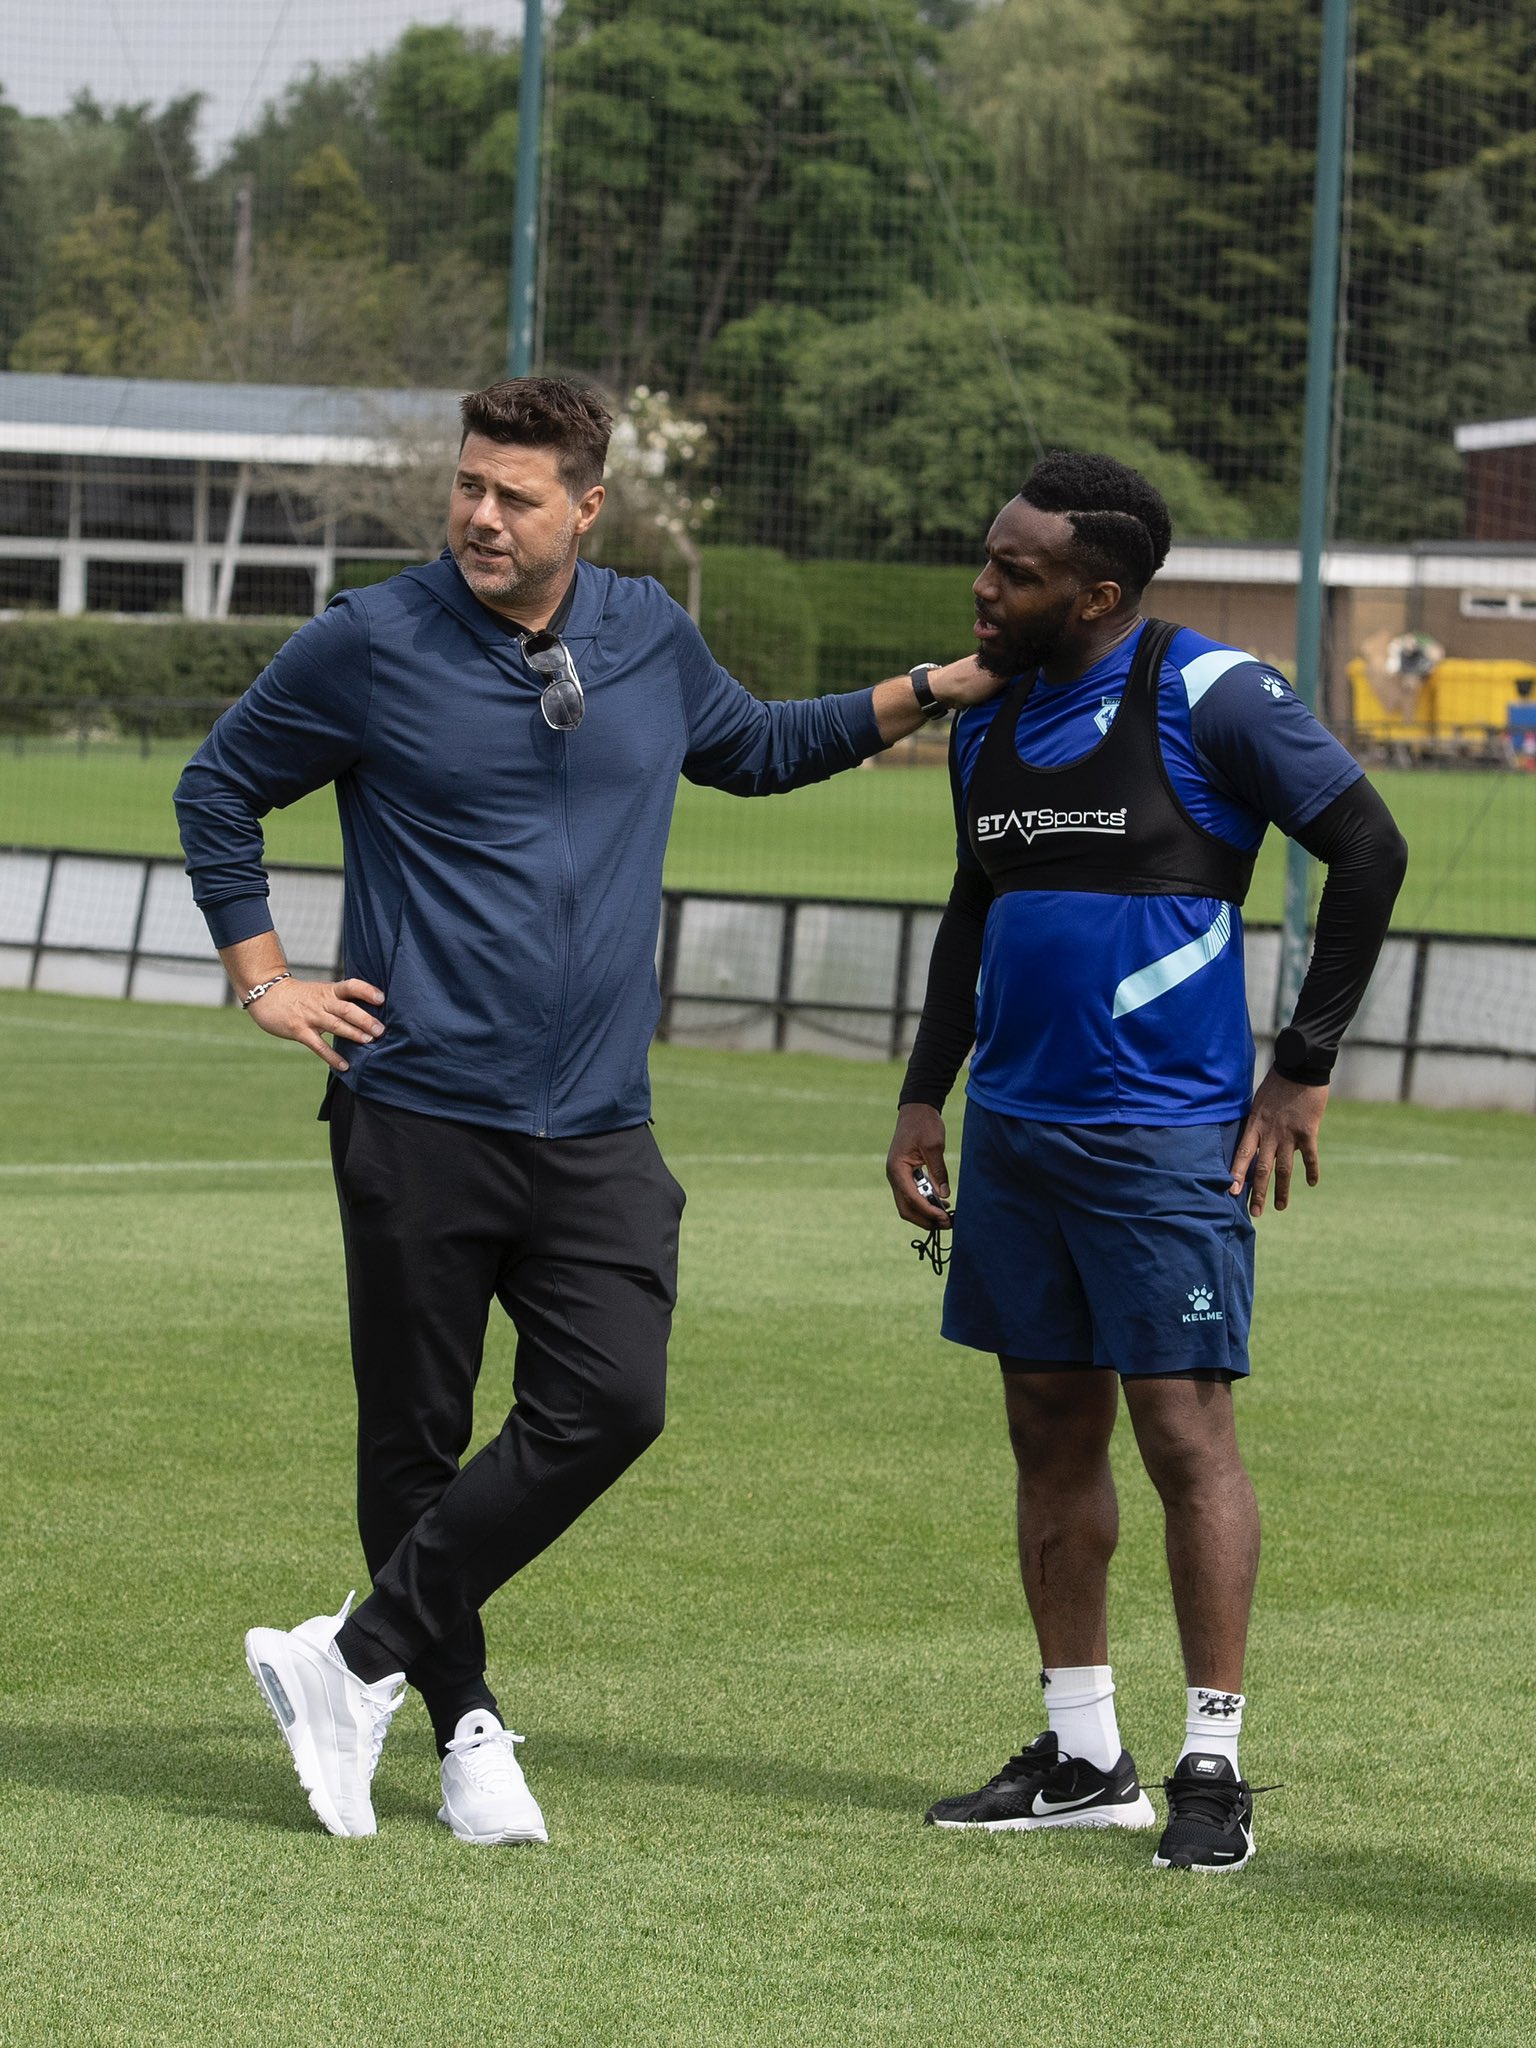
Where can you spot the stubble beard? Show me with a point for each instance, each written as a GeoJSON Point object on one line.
{"type": "Point", "coordinates": [1021, 653]}
{"type": "Point", "coordinates": [524, 579]}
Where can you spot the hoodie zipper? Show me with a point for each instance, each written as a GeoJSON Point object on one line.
{"type": "Point", "coordinates": [563, 922]}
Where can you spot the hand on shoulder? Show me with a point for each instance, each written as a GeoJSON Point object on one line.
{"type": "Point", "coordinates": [964, 682]}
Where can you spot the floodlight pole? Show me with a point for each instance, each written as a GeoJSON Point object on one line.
{"type": "Point", "coordinates": [525, 206]}
{"type": "Point", "coordinates": [1317, 449]}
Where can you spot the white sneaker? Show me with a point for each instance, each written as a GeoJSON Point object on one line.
{"type": "Point", "coordinates": [485, 1796]}
{"type": "Point", "coordinates": [333, 1723]}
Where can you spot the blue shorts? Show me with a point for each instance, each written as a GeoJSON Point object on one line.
{"type": "Point", "coordinates": [1101, 1244]}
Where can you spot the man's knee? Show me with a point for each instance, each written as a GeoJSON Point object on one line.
{"type": "Point", "coordinates": [1059, 1421]}
{"type": "Point", "coordinates": [630, 1417]}
{"type": "Point", "coordinates": [1185, 1433]}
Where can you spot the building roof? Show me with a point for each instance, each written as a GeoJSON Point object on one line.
{"type": "Point", "coordinates": [1481, 434]}
{"type": "Point", "coordinates": [164, 420]}
{"type": "Point", "coordinates": [1359, 565]}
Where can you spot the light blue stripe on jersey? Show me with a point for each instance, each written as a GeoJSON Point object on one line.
{"type": "Point", "coordinates": [1148, 983]}
{"type": "Point", "coordinates": [1209, 668]}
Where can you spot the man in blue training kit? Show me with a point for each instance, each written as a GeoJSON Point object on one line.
{"type": "Point", "coordinates": [1109, 805]}
{"type": "Point", "coordinates": [505, 728]}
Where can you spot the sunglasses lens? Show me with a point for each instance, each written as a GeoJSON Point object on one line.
{"type": "Point", "coordinates": [562, 704]}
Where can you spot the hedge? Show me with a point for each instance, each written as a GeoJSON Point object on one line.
{"type": "Point", "coordinates": [878, 618]}
{"type": "Point", "coordinates": [757, 616]}
{"type": "Point", "coordinates": [46, 660]}
{"type": "Point", "coordinates": [852, 622]}
{"type": "Point", "coordinates": [786, 629]}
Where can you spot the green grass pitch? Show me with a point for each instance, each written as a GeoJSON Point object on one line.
{"type": "Point", "coordinates": [747, 1672]}
{"type": "Point", "coordinates": [886, 833]}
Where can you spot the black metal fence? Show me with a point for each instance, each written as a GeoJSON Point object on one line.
{"type": "Point", "coordinates": [1448, 1020]}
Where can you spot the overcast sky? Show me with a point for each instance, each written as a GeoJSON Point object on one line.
{"type": "Point", "coordinates": [239, 54]}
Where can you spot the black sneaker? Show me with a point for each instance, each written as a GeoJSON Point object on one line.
{"type": "Point", "coordinates": [1041, 1788]}
{"type": "Point", "coordinates": [1210, 1817]}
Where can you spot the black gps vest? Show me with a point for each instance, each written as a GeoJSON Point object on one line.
{"type": "Point", "coordinates": [1109, 822]}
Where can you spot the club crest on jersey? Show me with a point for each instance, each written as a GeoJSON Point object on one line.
{"type": "Point", "coordinates": [1104, 717]}
{"type": "Point", "coordinates": [1033, 825]}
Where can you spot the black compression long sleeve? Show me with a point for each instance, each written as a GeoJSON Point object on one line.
{"type": "Point", "coordinates": [1366, 857]}
{"type": "Point", "coordinates": [946, 1030]}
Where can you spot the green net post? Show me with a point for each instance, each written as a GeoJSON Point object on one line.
{"type": "Point", "coordinates": [1317, 449]}
{"type": "Point", "coordinates": [525, 205]}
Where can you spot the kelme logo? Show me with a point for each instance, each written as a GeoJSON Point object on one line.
{"type": "Point", "coordinates": [1200, 1309]}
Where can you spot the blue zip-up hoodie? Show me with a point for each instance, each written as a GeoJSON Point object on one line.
{"type": "Point", "coordinates": [503, 881]}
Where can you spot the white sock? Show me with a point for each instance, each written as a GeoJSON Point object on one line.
{"type": "Point", "coordinates": [1080, 1707]}
{"type": "Point", "coordinates": [1212, 1723]}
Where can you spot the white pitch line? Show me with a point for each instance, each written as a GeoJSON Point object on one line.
{"type": "Point", "coordinates": [664, 1081]}
{"type": "Point", "coordinates": [37, 1169]}
{"type": "Point", "coordinates": [110, 1032]}
{"type": "Point", "coordinates": [40, 1168]}
{"type": "Point", "coordinates": [775, 1158]}
{"type": "Point", "coordinates": [1341, 1155]}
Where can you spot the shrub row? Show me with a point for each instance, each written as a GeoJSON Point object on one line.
{"type": "Point", "coordinates": [791, 629]}
{"type": "Point", "coordinates": [786, 629]}
{"type": "Point", "coordinates": [49, 660]}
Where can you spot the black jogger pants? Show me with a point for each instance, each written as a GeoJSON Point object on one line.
{"type": "Point", "coordinates": [577, 1239]}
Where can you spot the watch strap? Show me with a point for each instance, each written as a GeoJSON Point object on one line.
{"type": "Point", "coordinates": [922, 690]}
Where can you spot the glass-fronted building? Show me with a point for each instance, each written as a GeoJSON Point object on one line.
{"type": "Point", "coordinates": [133, 496]}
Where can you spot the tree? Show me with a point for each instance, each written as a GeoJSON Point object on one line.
{"type": "Point", "coordinates": [327, 306]}
{"type": "Point", "coordinates": [911, 435]}
{"type": "Point", "coordinates": [116, 301]}
{"type": "Point", "coordinates": [1211, 266]}
{"type": "Point", "coordinates": [156, 156]}
{"type": "Point", "coordinates": [1045, 81]}
{"type": "Point", "coordinates": [67, 164]}
{"type": "Point", "coordinates": [328, 218]}
{"type": "Point", "coordinates": [424, 206]}
{"type": "Point", "coordinates": [440, 89]}
{"type": "Point", "coordinates": [710, 159]}
{"type": "Point", "coordinates": [1455, 346]}
{"type": "Point", "coordinates": [18, 236]}
{"type": "Point", "coordinates": [53, 172]}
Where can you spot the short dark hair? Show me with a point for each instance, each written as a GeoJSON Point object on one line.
{"type": "Point", "coordinates": [1120, 522]}
{"type": "Point", "coordinates": [545, 412]}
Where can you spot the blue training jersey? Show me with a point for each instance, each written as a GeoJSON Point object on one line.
{"type": "Point", "coordinates": [1109, 1009]}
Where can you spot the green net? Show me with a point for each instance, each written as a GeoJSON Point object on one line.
{"type": "Point", "coordinates": [843, 268]}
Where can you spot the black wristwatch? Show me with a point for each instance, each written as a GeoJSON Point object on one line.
{"type": "Point", "coordinates": [927, 703]}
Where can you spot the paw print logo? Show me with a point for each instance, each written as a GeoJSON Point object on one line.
{"type": "Point", "coordinates": [1273, 686]}
{"type": "Point", "coordinates": [1200, 1299]}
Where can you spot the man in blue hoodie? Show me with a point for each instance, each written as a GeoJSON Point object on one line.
{"type": "Point", "coordinates": [505, 728]}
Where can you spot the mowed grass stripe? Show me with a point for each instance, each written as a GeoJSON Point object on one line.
{"type": "Point", "coordinates": [886, 833]}
{"type": "Point", "coordinates": [745, 1674]}
{"type": "Point", "coordinates": [39, 1167]}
